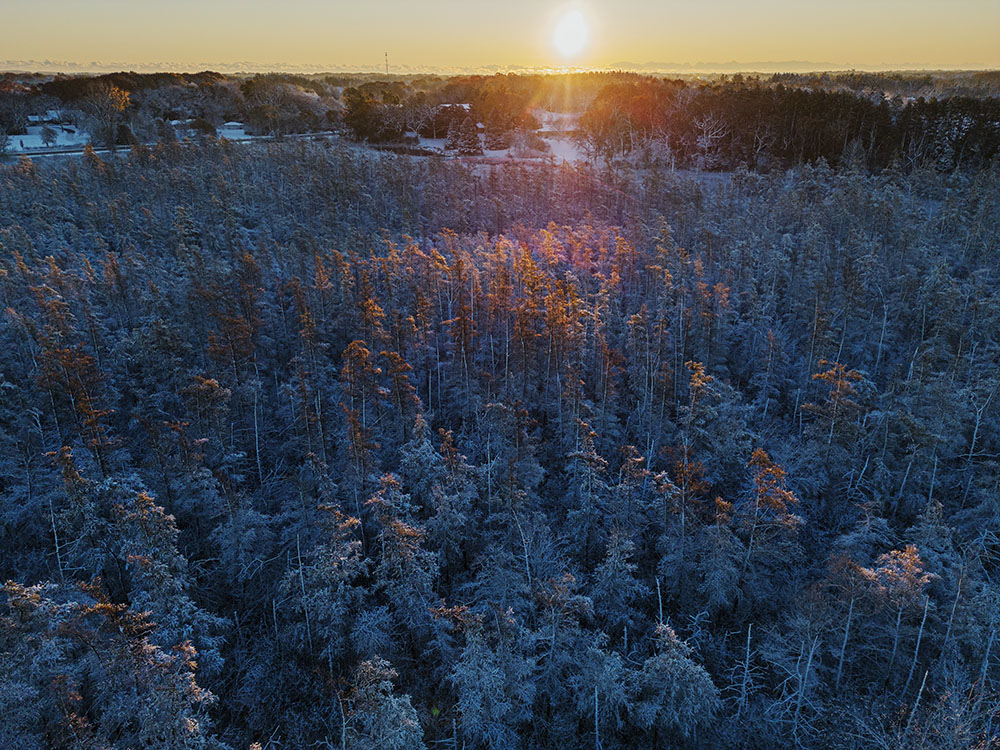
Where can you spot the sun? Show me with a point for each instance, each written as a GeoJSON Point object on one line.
{"type": "Point", "coordinates": [570, 35]}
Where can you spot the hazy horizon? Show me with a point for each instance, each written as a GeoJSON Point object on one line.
{"type": "Point", "coordinates": [306, 35]}
{"type": "Point", "coordinates": [70, 67]}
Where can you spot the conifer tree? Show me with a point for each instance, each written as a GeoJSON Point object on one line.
{"type": "Point", "coordinates": [82, 671]}
{"type": "Point", "coordinates": [673, 694]}
{"type": "Point", "coordinates": [378, 718]}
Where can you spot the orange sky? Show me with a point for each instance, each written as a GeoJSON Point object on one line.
{"type": "Point", "coordinates": [454, 34]}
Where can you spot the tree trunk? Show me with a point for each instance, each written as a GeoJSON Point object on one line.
{"type": "Point", "coordinates": [916, 649]}
{"type": "Point", "coordinates": [843, 647]}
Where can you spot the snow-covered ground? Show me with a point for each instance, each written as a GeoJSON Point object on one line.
{"type": "Point", "coordinates": [565, 149]}
{"type": "Point", "coordinates": [561, 148]}
{"type": "Point", "coordinates": [67, 136]}
{"type": "Point", "coordinates": [234, 131]}
{"type": "Point", "coordinates": [51, 115]}
{"type": "Point", "coordinates": [432, 144]}
{"type": "Point", "coordinates": [502, 153]}
{"type": "Point", "coordinates": [556, 121]}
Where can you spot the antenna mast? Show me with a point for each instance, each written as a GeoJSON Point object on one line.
{"type": "Point", "coordinates": [387, 63]}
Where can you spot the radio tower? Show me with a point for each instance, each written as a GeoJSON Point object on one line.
{"type": "Point", "coordinates": [387, 63]}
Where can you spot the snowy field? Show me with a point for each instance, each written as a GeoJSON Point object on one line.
{"type": "Point", "coordinates": [66, 136]}
{"type": "Point", "coordinates": [560, 148]}
{"type": "Point", "coordinates": [234, 131]}
{"type": "Point", "coordinates": [555, 132]}
{"type": "Point", "coordinates": [556, 121]}
{"type": "Point", "coordinates": [565, 149]}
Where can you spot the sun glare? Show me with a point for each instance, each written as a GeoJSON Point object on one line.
{"type": "Point", "coordinates": [570, 34]}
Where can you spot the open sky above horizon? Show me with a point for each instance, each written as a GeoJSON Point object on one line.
{"type": "Point", "coordinates": [448, 34]}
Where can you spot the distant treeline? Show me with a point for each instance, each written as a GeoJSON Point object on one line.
{"type": "Point", "coordinates": [73, 88]}
{"type": "Point", "coordinates": [936, 84]}
{"type": "Point", "coordinates": [865, 120]}
{"type": "Point", "coordinates": [724, 125]}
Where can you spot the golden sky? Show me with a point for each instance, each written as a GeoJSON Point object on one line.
{"type": "Point", "coordinates": [457, 34]}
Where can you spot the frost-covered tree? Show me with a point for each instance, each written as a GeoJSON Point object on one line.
{"type": "Point", "coordinates": [494, 691]}
{"type": "Point", "coordinates": [673, 695]}
{"type": "Point", "coordinates": [463, 137]}
{"type": "Point", "coordinates": [378, 717]}
{"type": "Point", "coordinates": [81, 671]}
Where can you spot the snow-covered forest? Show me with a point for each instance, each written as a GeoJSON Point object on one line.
{"type": "Point", "coordinates": [693, 444]}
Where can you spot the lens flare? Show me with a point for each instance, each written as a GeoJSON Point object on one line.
{"type": "Point", "coordinates": [570, 34]}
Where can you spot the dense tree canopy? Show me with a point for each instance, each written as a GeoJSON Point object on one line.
{"type": "Point", "coordinates": [302, 443]}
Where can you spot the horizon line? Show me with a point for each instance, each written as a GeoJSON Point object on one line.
{"type": "Point", "coordinates": [55, 67]}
